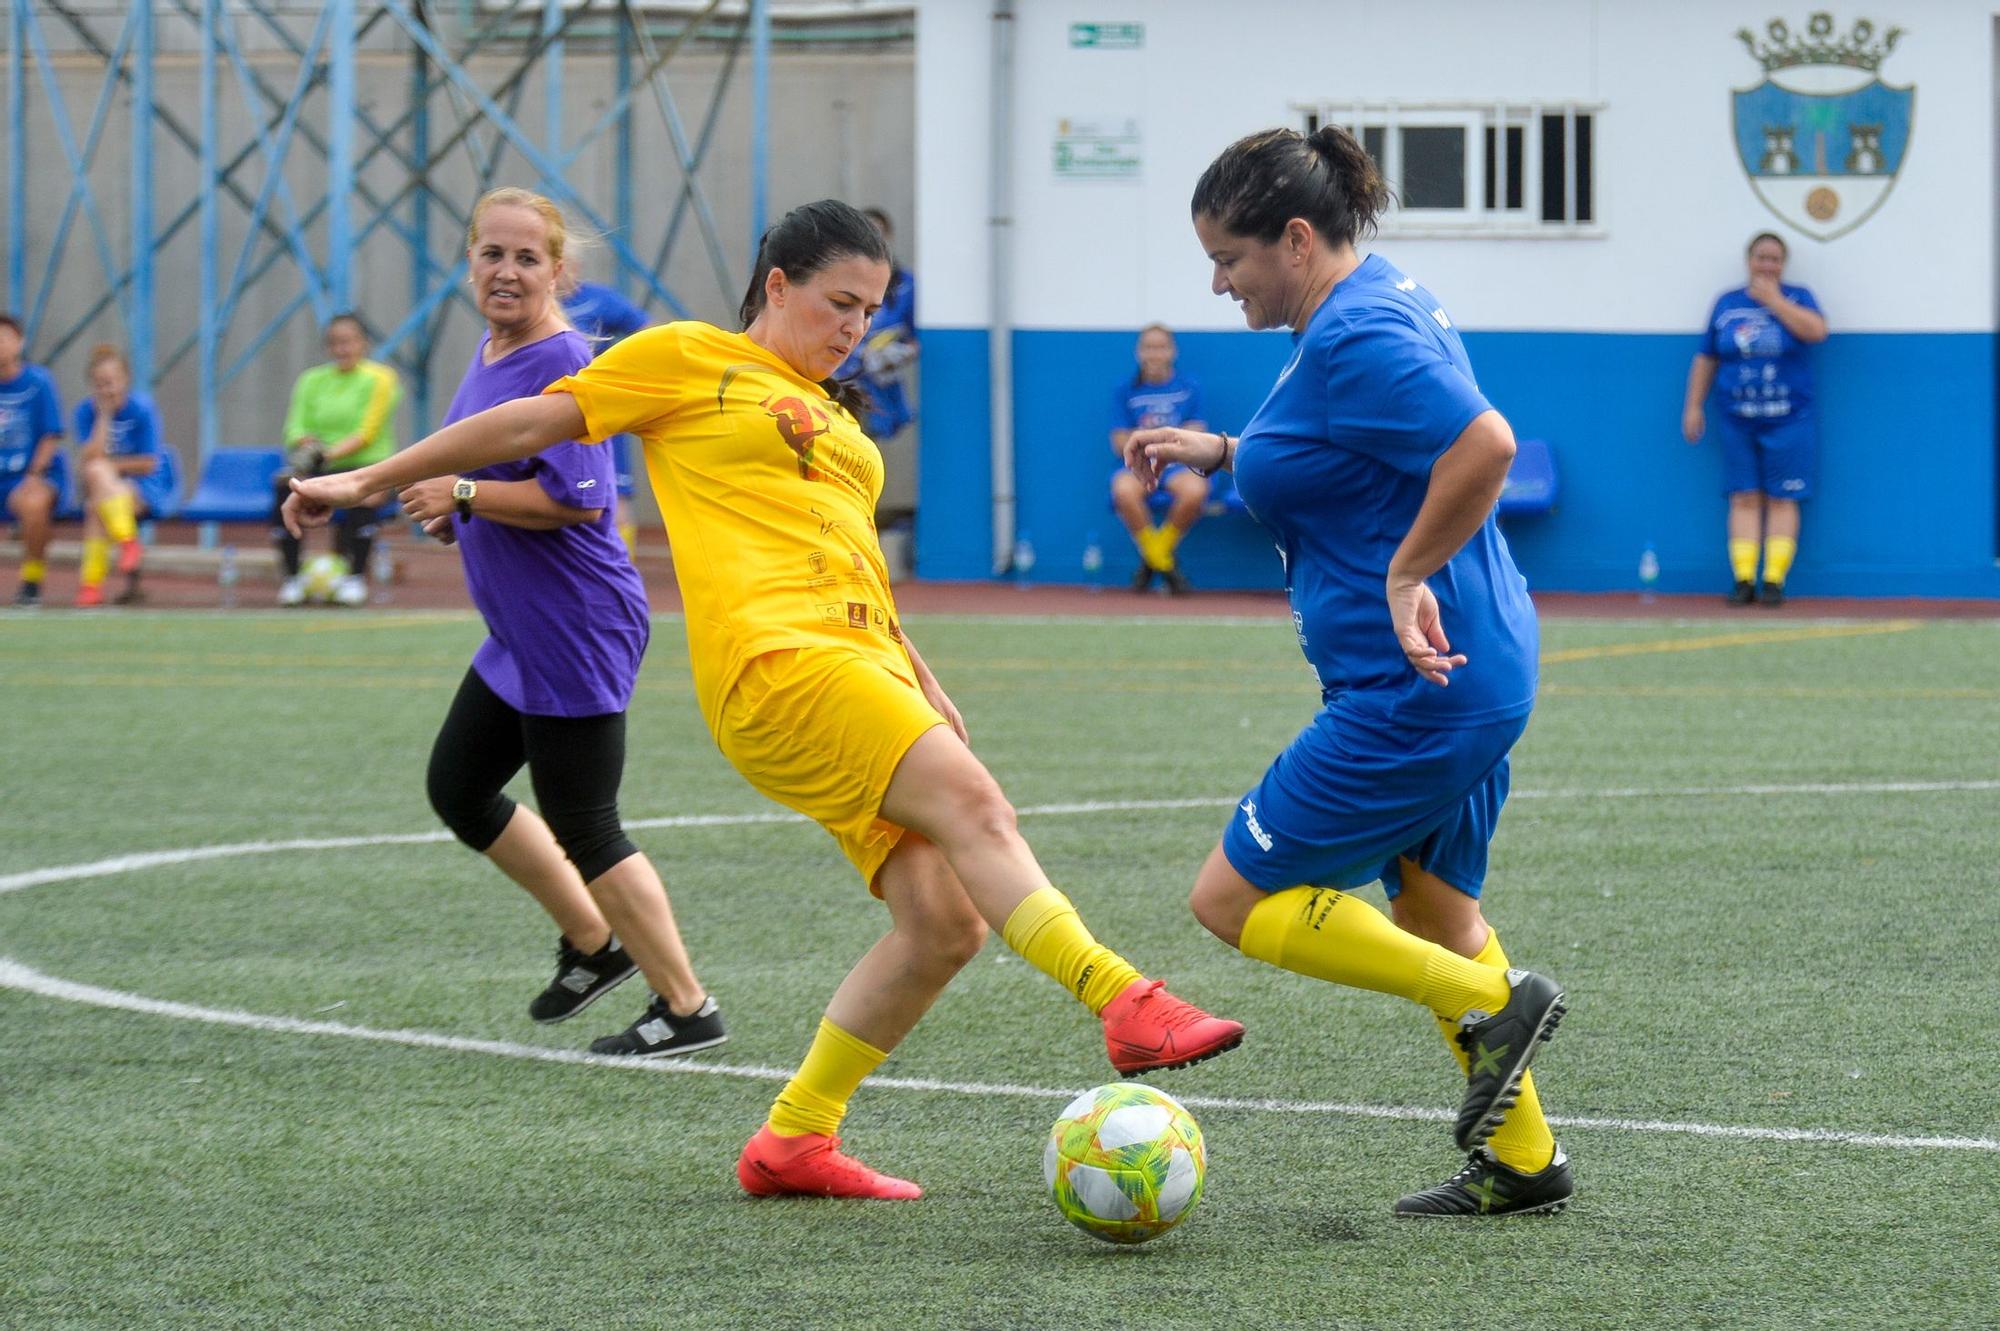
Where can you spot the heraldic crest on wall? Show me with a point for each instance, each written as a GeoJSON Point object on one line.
{"type": "Point", "coordinates": [1822, 137]}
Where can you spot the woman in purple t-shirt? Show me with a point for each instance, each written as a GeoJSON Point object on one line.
{"type": "Point", "coordinates": [548, 690]}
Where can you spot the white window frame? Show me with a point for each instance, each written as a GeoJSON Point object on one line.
{"type": "Point", "coordinates": [1475, 118]}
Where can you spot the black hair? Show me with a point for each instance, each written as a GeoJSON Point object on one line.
{"type": "Point", "coordinates": [805, 240]}
{"type": "Point", "coordinates": [1264, 180]}
{"type": "Point", "coordinates": [1783, 248]}
{"type": "Point", "coordinates": [13, 322]}
{"type": "Point", "coordinates": [350, 317]}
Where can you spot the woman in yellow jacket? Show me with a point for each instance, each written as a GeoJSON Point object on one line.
{"type": "Point", "coordinates": [804, 674]}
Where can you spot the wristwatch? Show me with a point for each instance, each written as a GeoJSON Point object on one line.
{"type": "Point", "coordinates": [462, 492]}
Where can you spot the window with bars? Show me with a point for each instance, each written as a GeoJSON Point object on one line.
{"type": "Point", "coordinates": [1466, 169]}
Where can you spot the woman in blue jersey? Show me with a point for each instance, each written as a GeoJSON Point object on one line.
{"type": "Point", "coordinates": [128, 474]}
{"type": "Point", "coordinates": [1157, 394]}
{"type": "Point", "coordinates": [1375, 462]}
{"type": "Point", "coordinates": [1753, 357]}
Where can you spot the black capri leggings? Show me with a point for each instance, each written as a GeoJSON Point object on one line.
{"type": "Point", "coordinates": [575, 763]}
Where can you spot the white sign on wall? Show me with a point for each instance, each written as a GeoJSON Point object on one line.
{"type": "Point", "coordinates": [1106, 149]}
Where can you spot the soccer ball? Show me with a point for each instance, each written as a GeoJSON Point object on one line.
{"type": "Point", "coordinates": [1125, 1162]}
{"type": "Point", "coordinates": [322, 574]}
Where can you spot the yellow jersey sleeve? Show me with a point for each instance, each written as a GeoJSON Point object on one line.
{"type": "Point", "coordinates": [634, 387]}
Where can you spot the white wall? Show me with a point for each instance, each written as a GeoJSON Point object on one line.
{"type": "Point", "coordinates": [1675, 204]}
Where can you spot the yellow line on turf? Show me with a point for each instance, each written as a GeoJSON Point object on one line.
{"type": "Point", "coordinates": [1774, 691]}
{"type": "Point", "coordinates": [1761, 638]}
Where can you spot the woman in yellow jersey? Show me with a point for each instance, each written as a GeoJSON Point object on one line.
{"type": "Point", "coordinates": [804, 675]}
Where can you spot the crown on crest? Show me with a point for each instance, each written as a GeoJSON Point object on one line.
{"type": "Point", "coordinates": [1818, 45]}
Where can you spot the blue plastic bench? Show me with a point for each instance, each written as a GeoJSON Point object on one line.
{"type": "Point", "coordinates": [1531, 481]}
{"type": "Point", "coordinates": [235, 486]}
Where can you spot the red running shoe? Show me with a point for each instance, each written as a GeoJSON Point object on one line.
{"type": "Point", "coordinates": [129, 554]}
{"type": "Point", "coordinates": [1146, 1029]}
{"type": "Point", "coordinates": [811, 1165]}
{"type": "Point", "coordinates": [89, 597]}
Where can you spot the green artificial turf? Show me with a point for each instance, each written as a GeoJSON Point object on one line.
{"type": "Point", "coordinates": [1758, 939]}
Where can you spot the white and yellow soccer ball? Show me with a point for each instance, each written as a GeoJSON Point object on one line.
{"type": "Point", "coordinates": [1125, 1162]}
{"type": "Point", "coordinates": [322, 575]}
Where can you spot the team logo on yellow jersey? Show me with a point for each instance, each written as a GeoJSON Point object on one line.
{"type": "Point", "coordinates": [799, 425]}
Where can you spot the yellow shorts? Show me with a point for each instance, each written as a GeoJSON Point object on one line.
{"type": "Point", "coordinates": [822, 731]}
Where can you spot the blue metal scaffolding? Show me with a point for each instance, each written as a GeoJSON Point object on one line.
{"type": "Point", "coordinates": [257, 239]}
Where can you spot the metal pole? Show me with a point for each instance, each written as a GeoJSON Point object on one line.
{"type": "Point", "coordinates": [339, 155]}
{"type": "Point", "coordinates": [139, 312]}
{"type": "Point", "coordinates": [17, 158]}
{"type": "Point", "coordinates": [420, 214]}
{"type": "Point", "coordinates": [1000, 247]}
{"type": "Point", "coordinates": [760, 120]}
{"type": "Point", "coordinates": [206, 430]}
{"type": "Point", "coordinates": [552, 78]}
{"type": "Point", "coordinates": [622, 147]}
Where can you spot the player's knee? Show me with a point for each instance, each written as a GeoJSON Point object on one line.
{"type": "Point", "coordinates": [981, 811]}
{"type": "Point", "coordinates": [475, 819]}
{"type": "Point", "coordinates": [955, 934]}
{"type": "Point", "coordinates": [593, 839]}
{"type": "Point", "coordinates": [1216, 910]}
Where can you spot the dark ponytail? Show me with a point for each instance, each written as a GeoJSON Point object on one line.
{"type": "Point", "coordinates": [1263, 181]}
{"type": "Point", "coordinates": [804, 241]}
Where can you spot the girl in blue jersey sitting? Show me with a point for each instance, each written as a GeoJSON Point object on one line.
{"type": "Point", "coordinates": [1753, 357]}
{"type": "Point", "coordinates": [1157, 394]}
{"type": "Point", "coordinates": [127, 474]}
{"type": "Point", "coordinates": [1376, 463]}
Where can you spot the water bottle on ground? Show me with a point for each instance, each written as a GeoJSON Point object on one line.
{"type": "Point", "coordinates": [1093, 563]}
{"type": "Point", "coordinates": [381, 572]}
{"type": "Point", "coordinates": [226, 574]}
{"type": "Point", "coordinates": [1649, 573]}
{"type": "Point", "coordinates": [1024, 559]}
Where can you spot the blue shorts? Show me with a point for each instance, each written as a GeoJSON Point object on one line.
{"type": "Point", "coordinates": [1778, 455]}
{"type": "Point", "coordinates": [1352, 793]}
{"type": "Point", "coordinates": [57, 476]}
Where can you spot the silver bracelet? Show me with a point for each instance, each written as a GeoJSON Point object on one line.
{"type": "Point", "coordinates": [1221, 461]}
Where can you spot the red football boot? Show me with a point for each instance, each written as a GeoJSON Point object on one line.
{"type": "Point", "coordinates": [811, 1165]}
{"type": "Point", "coordinates": [130, 553]}
{"type": "Point", "coordinates": [89, 596]}
{"type": "Point", "coordinates": [1146, 1029]}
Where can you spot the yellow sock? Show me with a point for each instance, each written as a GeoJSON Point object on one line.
{"type": "Point", "coordinates": [34, 570]}
{"type": "Point", "coordinates": [1743, 560]}
{"type": "Point", "coordinates": [1332, 936]}
{"type": "Point", "coordinates": [1157, 548]}
{"type": "Point", "coordinates": [96, 560]}
{"type": "Point", "coordinates": [1778, 552]}
{"type": "Point", "coordinates": [119, 523]}
{"type": "Point", "coordinates": [1046, 930]}
{"type": "Point", "coordinates": [1523, 1140]}
{"type": "Point", "coordinates": [1170, 540]}
{"type": "Point", "coordinates": [815, 1099]}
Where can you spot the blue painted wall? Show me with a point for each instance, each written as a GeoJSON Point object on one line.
{"type": "Point", "coordinates": [1907, 477]}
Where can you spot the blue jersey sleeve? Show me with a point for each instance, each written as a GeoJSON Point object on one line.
{"type": "Point", "coordinates": [1122, 417]}
{"type": "Point", "coordinates": [1708, 343]}
{"type": "Point", "coordinates": [48, 410]}
{"type": "Point", "coordinates": [1194, 409]}
{"type": "Point", "coordinates": [85, 418]}
{"type": "Point", "coordinates": [145, 426]}
{"type": "Point", "coordinates": [1802, 296]}
{"type": "Point", "coordinates": [1394, 395]}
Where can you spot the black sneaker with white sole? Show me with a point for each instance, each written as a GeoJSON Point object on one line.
{"type": "Point", "coordinates": [1485, 1187]}
{"type": "Point", "coordinates": [581, 979]}
{"type": "Point", "coordinates": [660, 1034]}
{"type": "Point", "coordinates": [1498, 1048]}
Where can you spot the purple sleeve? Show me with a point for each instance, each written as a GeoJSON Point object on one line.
{"type": "Point", "coordinates": [579, 475]}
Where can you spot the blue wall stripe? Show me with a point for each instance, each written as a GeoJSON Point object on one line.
{"type": "Point", "coordinates": [1906, 503]}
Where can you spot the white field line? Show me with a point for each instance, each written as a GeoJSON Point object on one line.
{"type": "Point", "coordinates": [152, 859]}
{"type": "Point", "coordinates": [13, 975]}
{"type": "Point", "coordinates": [16, 976]}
